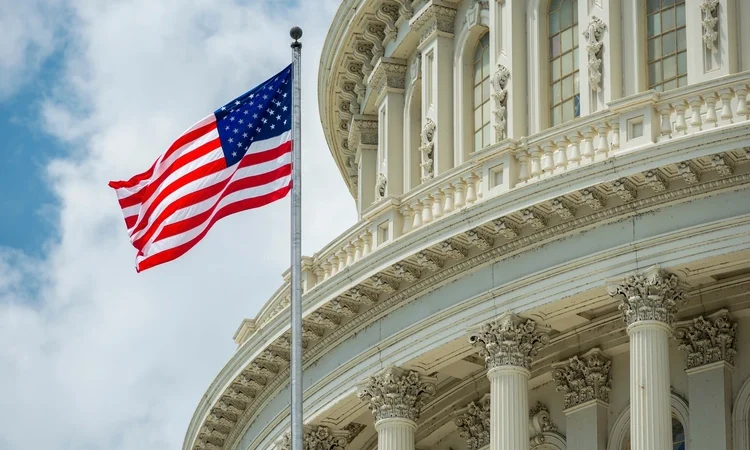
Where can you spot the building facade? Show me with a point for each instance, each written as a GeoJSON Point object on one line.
{"type": "Point", "coordinates": [553, 249]}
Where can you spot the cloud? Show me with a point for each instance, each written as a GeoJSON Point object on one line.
{"type": "Point", "coordinates": [30, 31]}
{"type": "Point", "coordinates": [96, 355]}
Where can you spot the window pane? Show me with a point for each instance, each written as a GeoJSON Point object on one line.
{"type": "Point", "coordinates": [554, 23]}
{"type": "Point", "coordinates": [682, 63]}
{"type": "Point", "coordinates": [575, 12]}
{"type": "Point", "coordinates": [670, 67]}
{"type": "Point", "coordinates": [567, 63]}
{"type": "Point", "coordinates": [667, 3]}
{"type": "Point", "coordinates": [576, 83]}
{"type": "Point", "coordinates": [556, 91]}
{"type": "Point", "coordinates": [555, 46]}
{"type": "Point", "coordinates": [554, 4]}
{"type": "Point", "coordinates": [485, 89]}
{"type": "Point", "coordinates": [682, 81]}
{"type": "Point", "coordinates": [577, 105]}
{"type": "Point", "coordinates": [567, 110]}
{"type": "Point", "coordinates": [486, 136]}
{"type": "Point", "coordinates": [575, 60]}
{"type": "Point", "coordinates": [478, 140]}
{"type": "Point", "coordinates": [555, 69]}
{"type": "Point", "coordinates": [680, 15]}
{"type": "Point", "coordinates": [567, 87]}
{"type": "Point", "coordinates": [667, 19]}
{"type": "Point", "coordinates": [477, 119]}
{"type": "Point", "coordinates": [653, 5]}
{"type": "Point", "coordinates": [477, 73]}
{"type": "Point", "coordinates": [670, 84]}
{"type": "Point", "coordinates": [556, 115]}
{"type": "Point", "coordinates": [567, 40]}
{"type": "Point", "coordinates": [668, 43]}
{"type": "Point", "coordinates": [486, 113]}
{"type": "Point", "coordinates": [575, 36]}
{"type": "Point", "coordinates": [654, 73]}
{"type": "Point", "coordinates": [478, 95]}
{"type": "Point", "coordinates": [654, 24]}
{"type": "Point", "coordinates": [486, 62]}
{"type": "Point", "coordinates": [681, 39]}
{"type": "Point", "coordinates": [566, 16]}
{"type": "Point", "coordinates": [654, 48]}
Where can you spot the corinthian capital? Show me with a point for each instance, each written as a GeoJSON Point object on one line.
{"type": "Point", "coordinates": [509, 341]}
{"type": "Point", "coordinates": [473, 423]}
{"type": "Point", "coordinates": [397, 393]}
{"type": "Point", "coordinates": [708, 340]}
{"type": "Point", "coordinates": [651, 295]}
{"type": "Point", "coordinates": [584, 378]}
{"type": "Point", "coordinates": [318, 438]}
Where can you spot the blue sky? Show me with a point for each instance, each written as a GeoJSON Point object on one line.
{"type": "Point", "coordinates": [93, 91]}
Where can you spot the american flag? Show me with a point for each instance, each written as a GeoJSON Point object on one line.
{"type": "Point", "coordinates": [237, 158]}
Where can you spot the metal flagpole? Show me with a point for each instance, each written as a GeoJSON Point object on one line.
{"type": "Point", "coordinates": [296, 307]}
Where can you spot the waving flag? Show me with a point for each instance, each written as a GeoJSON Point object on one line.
{"type": "Point", "coordinates": [236, 159]}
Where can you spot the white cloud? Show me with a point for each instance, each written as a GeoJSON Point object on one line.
{"type": "Point", "coordinates": [95, 355]}
{"type": "Point", "coordinates": [29, 34]}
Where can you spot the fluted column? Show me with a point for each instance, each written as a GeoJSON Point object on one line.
{"type": "Point", "coordinates": [649, 302]}
{"type": "Point", "coordinates": [508, 346]}
{"type": "Point", "coordinates": [396, 397]}
{"type": "Point", "coordinates": [711, 346]}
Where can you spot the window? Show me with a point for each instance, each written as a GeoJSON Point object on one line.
{"type": "Point", "coordinates": [678, 436]}
{"type": "Point", "coordinates": [667, 44]}
{"type": "Point", "coordinates": [564, 89]}
{"type": "Point", "coordinates": [482, 93]}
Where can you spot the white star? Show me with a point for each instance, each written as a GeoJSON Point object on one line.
{"type": "Point", "coordinates": [239, 144]}
{"type": "Point", "coordinates": [273, 126]}
{"type": "Point", "coordinates": [258, 129]}
{"type": "Point", "coordinates": [265, 97]}
{"type": "Point", "coordinates": [241, 121]}
{"type": "Point", "coordinates": [234, 154]}
{"type": "Point", "coordinates": [255, 116]}
{"type": "Point", "coordinates": [252, 95]}
{"type": "Point", "coordinates": [227, 128]}
{"type": "Point", "coordinates": [230, 140]}
{"type": "Point", "coordinates": [284, 108]}
{"type": "Point", "coordinates": [236, 102]}
{"type": "Point", "coordinates": [231, 118]}
{"type": "Point", "coordinates": [244, 135]}
{"type": "Point", "coordinates": [278, 117]}
{"type": "Point", "coordinates": [251, 103]}
{"type": "Point", "coordinates": [265, 120]}
{"type": "Point", "coordinates": [236, 131]}
{"type": "Point", "coordinates": [245, 112]}
{"type": "Point", "coordinates": [285, 122]}
{"type": "Point", "coordinates": [260, 106]}
{"type": "Point", "coordinates": [223, 108]}
{"type": "Point", "coordinates": [284, 95]}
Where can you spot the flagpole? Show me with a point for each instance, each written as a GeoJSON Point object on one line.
{"type": "Point", "coordinates": [296, 301]}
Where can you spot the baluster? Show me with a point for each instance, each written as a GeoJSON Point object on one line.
{"type": "Point", "coordinates": [548, 163]}
{"type": "Point", "coordinates": [588, 144]}
{"type": "Point", "coordinates": [615, 136]}
{"type": "Point", "coordinates": [334, 264]}
{"type": "Point", "coordinates": [536, 164]}
{"type": "Point", "coordinates": [326, 270]}
{"type": "Point", "coordinates": [680, 125]}
{"type": "Point", "coordinates": [471, 189]}
{"type": "Point", "coordinates": [574, 152]}
{"type": "Point", "coordinates": [427, 201]}
{"type": "Point", "coordinates": [349, 254]}
{"type": "Point", "coordinates": [711, 119]}
{"type": "Point", "coordinates": [726, 95]}
{"type": "Point", "coordinates": [449, 205]}
{"type": "Point", "coordinates": [437, 207]}
{"type": "Point", "coordinates": [523, 166]}
{"type": "Point", "coordinates": [367, 247]}
{"type": "Point", "coordinates": [342, 259]}
{"type": "Point", "coordinates": [561, 153]}
{"type": "Point", "coordinates": [417, 215]}
{"type": "Point", "coordinates": [358, 243]}
{"type": "Point", "coordinates": [603, 146]}
{"type": "Point", "coordinates": [695, 112]}
{"type": "Point", "coordinates": [666, 124]}
{"type": "Point", "coordinates": [460, 199]}
{"type": "Point", "coordinates": [408, 215]}
{"type": "Point", "coordinates": [320, 275]}
{"type": "Point", "coordinates": [741, 93]}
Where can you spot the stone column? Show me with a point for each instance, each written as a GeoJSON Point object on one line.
{"type": "Point", "coordinates": [508, 46]}
{"type": "Point", "coordinates": [508, 345]}
{"type": "Point", "coordinates": [586, 384]}
{"type": "Point", "coordinates": [388, 81]}
{"type": "Point", "coordinates": [710, 344]}
{"type": "Point", "coordinates": [363, 139]}
{"type": "Point", "coordinates": [649, 302]}
{"type": "Point", "coordinates": [396, 397]}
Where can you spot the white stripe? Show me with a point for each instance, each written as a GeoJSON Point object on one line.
{"type": "Point", "coordinates": [204, 182]}
{"type": "Point", "coordinates": [174, 241]}
{"type": "Point", "coordinates": [163, 166]}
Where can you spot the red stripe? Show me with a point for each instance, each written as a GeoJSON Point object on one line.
{"type": "Point", "coordinates": [189, 223]}
{"type": "Point", "coordinates": [248, 160]}
{"type": "Point", "coordinates": [145, 193]}
{"type": "Point", "coordinates": [232, 208]}
{"type": "Point", "coordinates": [130, 221]}
{"type": "Point", "coordinates": [176, 145]}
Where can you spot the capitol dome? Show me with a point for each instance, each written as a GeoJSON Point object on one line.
{"type": "Point", "coordinates": [553, 245]}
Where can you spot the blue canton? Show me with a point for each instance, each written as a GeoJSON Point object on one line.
{"type": "Point", "coordinates": [259, 114]}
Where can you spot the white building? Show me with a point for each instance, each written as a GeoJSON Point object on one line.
{"type": "Point", "coordinates": [553, 249]}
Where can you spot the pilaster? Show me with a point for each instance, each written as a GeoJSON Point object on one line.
{"type": "Point", "coordinates": [363, 139]}
{"type": "Point", "coordinates": [388, 81]}
{"type": "Point", "coordinates": [586, 383]}
{"type": "Point", "coordinates": [600, 54]}
{"type": "Point", "coordinates": [508, 53]}
{"type": "Point", "coordinates": [396, 397]}
{"type": "Point", "coordinates": [508, 346]}
{"type": "Point", "coordinates": [435, 25]}
{"type": "Point", "coordinates": [649, 302]}
{"type": "Point", "coordinates": [711, 346]}
{"type": "Point", "coordinates": [712, 39]}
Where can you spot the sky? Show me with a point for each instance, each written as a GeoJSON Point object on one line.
{"type": "Point", "coordinates": [93, 355]}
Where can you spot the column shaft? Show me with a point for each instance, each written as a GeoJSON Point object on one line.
{"type": "Point", "coordinates": [395, 434]}
{"type": "Point", "coordinates": [509, 408]}
{"type": "Point", "coordinates": [650, 404]}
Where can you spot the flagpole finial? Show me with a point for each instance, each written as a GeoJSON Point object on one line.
{"type": "Point", "coordinates": [296, 34]}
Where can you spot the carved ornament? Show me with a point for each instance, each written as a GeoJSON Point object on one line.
{"type": "Point", "coordinates": [594, 35]}
{"type": "Point", "coordinates": [707, 340]}
{"type": "Point", "coordinates": [584, 378]}
{"type": "Point", "coordinates": [651, 295]}
{"type": "Point", "coordinates": [397, 393]}
{"type": "Point", "coordinates": [473, 423]}
{"type": "Point", "coordinates": [509, 341]}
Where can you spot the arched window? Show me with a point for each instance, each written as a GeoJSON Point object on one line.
{"type": "Point", "coordinates": [667, 44]}
{"type": "Point", "coordinates": [678, 436]}
{"type": "Point", "coordinates": [482, 93]}
{"type": "Point", "coordinates": [564, 91]}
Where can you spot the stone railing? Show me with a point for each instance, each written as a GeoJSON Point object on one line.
{"type": "Point", "coordinates": [629, 124]}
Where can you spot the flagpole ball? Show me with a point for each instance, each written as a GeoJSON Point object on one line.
{"type": "Point", "coordinates": [295, 33]}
